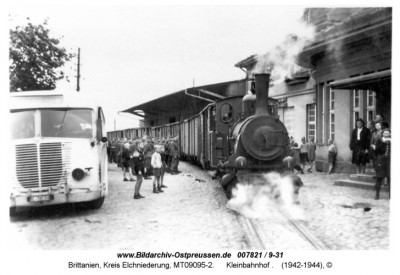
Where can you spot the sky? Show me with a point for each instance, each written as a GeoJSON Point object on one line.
{"type": "Point", "coordinates": [133, 53]}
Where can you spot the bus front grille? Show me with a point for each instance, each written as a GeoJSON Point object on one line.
{"type": "Point", "coordinates": [27, 165]}
{"type": "Point", "coordinates": [41, 166]}
{"type": "Point", "coordinates": [50, 164]}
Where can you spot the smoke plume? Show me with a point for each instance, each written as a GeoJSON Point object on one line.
{"type": "Point", "coordinates": [275, 195]}
{"type": "Point", "coordinates": [280, 60]}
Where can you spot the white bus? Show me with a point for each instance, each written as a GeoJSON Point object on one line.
{"type": "Point", "coordinates": [59, 150]}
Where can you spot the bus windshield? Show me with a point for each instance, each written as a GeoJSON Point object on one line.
{"type": "Point", "coordinates": [69, 123]}
{"type": "Point", "coordinates": [72, 123]}
{"type": "Point", "coordinates": [23, 124]}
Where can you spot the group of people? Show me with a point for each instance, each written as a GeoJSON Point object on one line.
{"type": "Point", "coordinates": [304, 153]}
{"type": "Point", "coordinates": [144, 157]}
{"type": "Point", "coordinates": [372, 143]}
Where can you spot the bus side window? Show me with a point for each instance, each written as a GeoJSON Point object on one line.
{"type": "Point", "coordinates": [99, 125]}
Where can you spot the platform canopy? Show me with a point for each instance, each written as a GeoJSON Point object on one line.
{"type": "Point", "coordinates": [195, 98]}
{"type": "Point", "coordinates": [373, 81]}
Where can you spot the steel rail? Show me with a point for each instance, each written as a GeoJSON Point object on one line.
{"type": "Point", "coordinates": [254, 241]}
{"type": "Point", "coordinates": [305, 233]}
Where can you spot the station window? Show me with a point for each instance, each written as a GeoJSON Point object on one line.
{"type": "Point", "coordinates": [371, 98]}
{"type": "Point", "coordinates": [332, 99]}
{"type": "Point", "coordinates": [371, 103]}
{"type": "Point", "coordinates": [356, 95]}
{"type": "Point", "coordinates": [356, 105]}
{"type": "Point", "coordinates": [311, 120]}
{"type": "Point", "coordinates": [364, 105]}
{"type": "Point", "coordinates": [332, 126]}
{"type": "Point", "coordinates": [331, 113]}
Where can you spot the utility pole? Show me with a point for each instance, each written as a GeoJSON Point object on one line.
{"type": "Point", "coordinates": [79, 72]}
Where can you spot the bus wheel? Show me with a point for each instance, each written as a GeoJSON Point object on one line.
{"type": "Point", "coordinates": [95, 204]}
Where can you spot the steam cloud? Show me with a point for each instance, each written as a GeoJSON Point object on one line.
{"type": "Point", "coordinates": [280, 59]}
{"type": "Point", "coordinates": [277, 194]}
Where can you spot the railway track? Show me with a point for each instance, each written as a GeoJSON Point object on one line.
{"type": "Point", "coordinates": [279, 233]}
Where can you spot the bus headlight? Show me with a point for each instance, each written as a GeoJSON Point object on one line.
{"type": "Point", "coordinates": [78, 174]}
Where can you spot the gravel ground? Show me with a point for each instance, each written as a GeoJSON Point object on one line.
{"type": "Point", "coordinates": [345, 217]}
{"type": "Point", "coordinates": [191, 214]}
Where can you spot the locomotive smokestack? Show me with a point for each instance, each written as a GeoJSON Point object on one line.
{"type": "Point", "coordinates": [262, 87]}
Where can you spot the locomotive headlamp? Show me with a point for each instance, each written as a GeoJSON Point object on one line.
{"type": "Point", "coordinates": [241, 162]}
{"type": "Point", "coordinates": [78, 174]}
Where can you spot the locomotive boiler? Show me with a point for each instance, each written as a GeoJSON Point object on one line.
{"type": "Point", "coordinates": [259, 140]}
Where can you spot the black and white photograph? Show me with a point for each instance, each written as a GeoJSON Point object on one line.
{"type": "Point", "coordinates": [243, 136]}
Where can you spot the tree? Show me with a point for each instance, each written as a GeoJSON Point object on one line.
{"type": "Point", "coordinates": [36, 59]}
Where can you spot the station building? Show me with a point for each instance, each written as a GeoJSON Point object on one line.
{"type": "Point", "coordinates": [350, 59]}
{"type": "Point", "coordinates": [342, 75]}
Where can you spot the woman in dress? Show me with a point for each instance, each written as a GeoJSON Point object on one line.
{"type": "Point", "coordinates": [360, 144]}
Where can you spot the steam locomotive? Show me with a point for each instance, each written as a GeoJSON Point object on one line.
{"type": "Point", "coordinates": [239, 137]}
{"type": "Point", "coordinates": [259, 140]}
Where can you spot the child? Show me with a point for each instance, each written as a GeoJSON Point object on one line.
{"type": "Point", "coordinates": [138, 166]}
{"type": "Point", "coordinates": [156, 164]}
{"type": "Point", "coordinates": [312, 147]}
{"type": "Point", "coordinates": [303, 153]}
{"type": "Point", "coordinates": [332, 152]}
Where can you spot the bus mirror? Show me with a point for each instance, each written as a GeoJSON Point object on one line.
{"type": "Point", "coordinates": [104, 139]}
